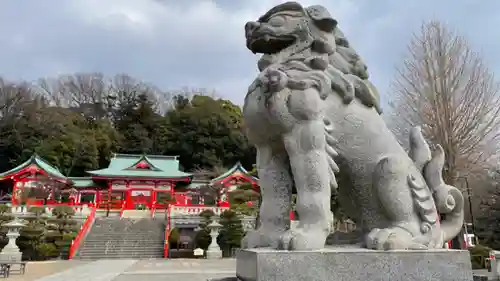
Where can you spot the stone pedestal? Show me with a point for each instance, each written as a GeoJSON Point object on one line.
{"type": "Point", "coordinates": [353, 264]}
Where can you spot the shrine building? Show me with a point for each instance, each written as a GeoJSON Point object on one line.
{"type": "Point", "coordinates": [130, 182]}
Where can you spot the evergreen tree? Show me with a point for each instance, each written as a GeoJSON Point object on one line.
{"type": "Point", "coordinates": [487, 223]}
{"type": "Point", "coordinates": [203, 238]}
{"type": "Point", "coordinates": [231, 232]}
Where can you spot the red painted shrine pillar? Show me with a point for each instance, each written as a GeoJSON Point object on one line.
{"type": "Point", "coordinates": [14, 193]}
{"type": "Point", "coordinates": [129, 204]}
{"type": "Point", "coordinates": [154, 196]}
{"type": "Point", "coordinates": [110, 184]}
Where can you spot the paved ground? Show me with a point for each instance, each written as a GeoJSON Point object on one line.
{"type": "Point", "coordinates": [130, 270]}
{"type": "Point", "coordinates": [36, 270]}
{"type": "Point", "coordinates": [150, 270]}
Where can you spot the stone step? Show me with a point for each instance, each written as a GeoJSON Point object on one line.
{"type": "Point", "coordinates": [93, 246]}
{"type": "Point", "coordinates": [131, 248]}
{"type": "Point", "coordinates": [119, 244]}
{"type": "Point", "coordinates": [121, 239]}
{"type": "Point", "coordinates": [151, 233]}
{"type": "Point", "coordinates": [128, 230]}
{"type": "Point", "coordinates": [124, 253]}
{"type": "Point", "coordinates": [116, 258]}
{"type": "Point", "coordinates": [133, 235]}
{"type": "Point", "coordinates": [121, 255]}
{"type": "Point", "coordinates": [102, 245]}
{"type": "Point", "coordinates": [100, 230]}
{"type": "Point", "coordinates": [140, 228]}
{"type": "Point", "coordinates": [126, 237]}
{"type": "Point", "coordinates": [127, 241]}
{"type": "Point", "coordinates": [128, 224]}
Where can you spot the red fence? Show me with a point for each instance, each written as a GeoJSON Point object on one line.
{"type": "Point", "coordinates": [81, 234]}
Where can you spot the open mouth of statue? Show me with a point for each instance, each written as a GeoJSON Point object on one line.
{"type": "Point", "coordinates": [269, 44]}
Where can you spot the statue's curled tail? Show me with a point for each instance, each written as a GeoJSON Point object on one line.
{"type": "Point", "coordinates": [448, 199]}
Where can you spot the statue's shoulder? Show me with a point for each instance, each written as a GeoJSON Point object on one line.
{"type": "Point", "coordinates": [254, 87]}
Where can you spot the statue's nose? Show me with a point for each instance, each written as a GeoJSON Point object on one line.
{"type": "Point", "coordinates": [251, 26]}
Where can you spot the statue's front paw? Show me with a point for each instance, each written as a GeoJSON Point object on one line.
{"type": "Point", "coordinates": [260, 238]}
{"type": "Point", "coordinates": [303, 239]}
{"type": "Point", "coordinates": [391, 239]}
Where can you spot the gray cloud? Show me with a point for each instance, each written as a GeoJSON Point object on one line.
{"type": "Point", "coordinates": [200, 43]}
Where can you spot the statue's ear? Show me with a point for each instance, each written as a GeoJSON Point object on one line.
{"type": "Point", "coordinates": [321, 18]}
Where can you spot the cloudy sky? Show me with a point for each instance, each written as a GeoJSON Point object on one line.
{"type": "Point", "coordinates": [200, 43]}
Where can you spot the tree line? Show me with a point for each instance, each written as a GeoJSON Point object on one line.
{"type": "Point", "coordinates": [77, 121]}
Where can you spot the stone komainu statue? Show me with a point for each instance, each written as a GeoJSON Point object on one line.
{"type": "Point", "coordinates": [315, 121]}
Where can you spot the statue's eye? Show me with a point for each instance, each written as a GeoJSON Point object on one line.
{"type": "Point", "coordinates": [277, 21]}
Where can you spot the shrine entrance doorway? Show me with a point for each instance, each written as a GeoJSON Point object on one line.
{"type": "Point", "coordinates": [140, 199]}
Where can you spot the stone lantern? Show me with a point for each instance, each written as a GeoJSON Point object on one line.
{"type": "Point", "coordinates": [214, 251]}
{"type": "Point", "coordinates": [11, 252]}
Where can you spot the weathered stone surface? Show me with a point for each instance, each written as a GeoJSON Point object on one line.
{"type": "Point", "coordinates": [323, 130]}
{"type": "Point", "coordinates": [350, 264]}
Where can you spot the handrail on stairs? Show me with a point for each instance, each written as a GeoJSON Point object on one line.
{"type": "Point", "coordinates": [75, 244]}
{"type": "Point", "coordinates": [167, 232]}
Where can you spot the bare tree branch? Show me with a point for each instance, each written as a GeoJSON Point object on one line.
{"type": "Point", "coordinates": [446, 88]}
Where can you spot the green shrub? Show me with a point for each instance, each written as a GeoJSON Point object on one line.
{"type": "Point", "coordinates": [63, 211]}
{"type": "Point", "coordinates": [64, 244]}
{"type": "Point", "coordinates": [53, 236]}
{"type": "Point", "coordinates": [69, 236]}
{"type": "Point", "coordinates": [203, 239]}
{"type": "Point", "coordinates": [207, 215]}
{"type": "Point", "coordinates": [4, 209]}
{"type": "Point", "coordinates": [478, 256]}
{"type": "Point", "coordinates": [47, 251]}
{"type": "Point", "coordinates": [38, 211]}
{"type": "Point", "coordinates": [174, 236]}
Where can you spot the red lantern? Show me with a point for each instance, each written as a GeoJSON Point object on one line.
{"type": "Point", "coordinates": [250, 203]}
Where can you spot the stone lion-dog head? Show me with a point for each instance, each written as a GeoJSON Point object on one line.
{"type": "Point", "coordinates": [291, 33]}
{"type": "Point", "coordinates": [291, 27]}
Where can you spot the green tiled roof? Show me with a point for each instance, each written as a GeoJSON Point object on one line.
{"type": "Point", "coordinates": [236, 168]}
{"type": "Point", "coordinates": [82, 182]}
{"type": "Point", "coordinates": [36, 160]}
{"type": "Point", "coordinates": [122, 165]}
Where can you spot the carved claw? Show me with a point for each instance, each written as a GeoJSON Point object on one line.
{"type": "Point", "coordinates": [392, 238]}
{"type": "Point", "coordinates": [260, 238]}
{"type": "Point", "coordinates": [300, 239]}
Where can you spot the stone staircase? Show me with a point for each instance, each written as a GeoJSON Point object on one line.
{"type": "Point", "coordinates": [123, 238]}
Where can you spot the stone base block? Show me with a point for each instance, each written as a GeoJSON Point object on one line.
{"type": "Point", "coordinates": [214, 254]}
{"type": "Point", "coordinates": [11, 256]}
{"type": "Point", "coordinates": [353, 264]}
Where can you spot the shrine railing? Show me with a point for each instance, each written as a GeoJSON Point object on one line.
{"type": "Point", "coordinates": [175, 210]}
{"type": "Point", "coordinates": [75, 244]}
{"type": "Point", "coordinates": [80, 210]}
